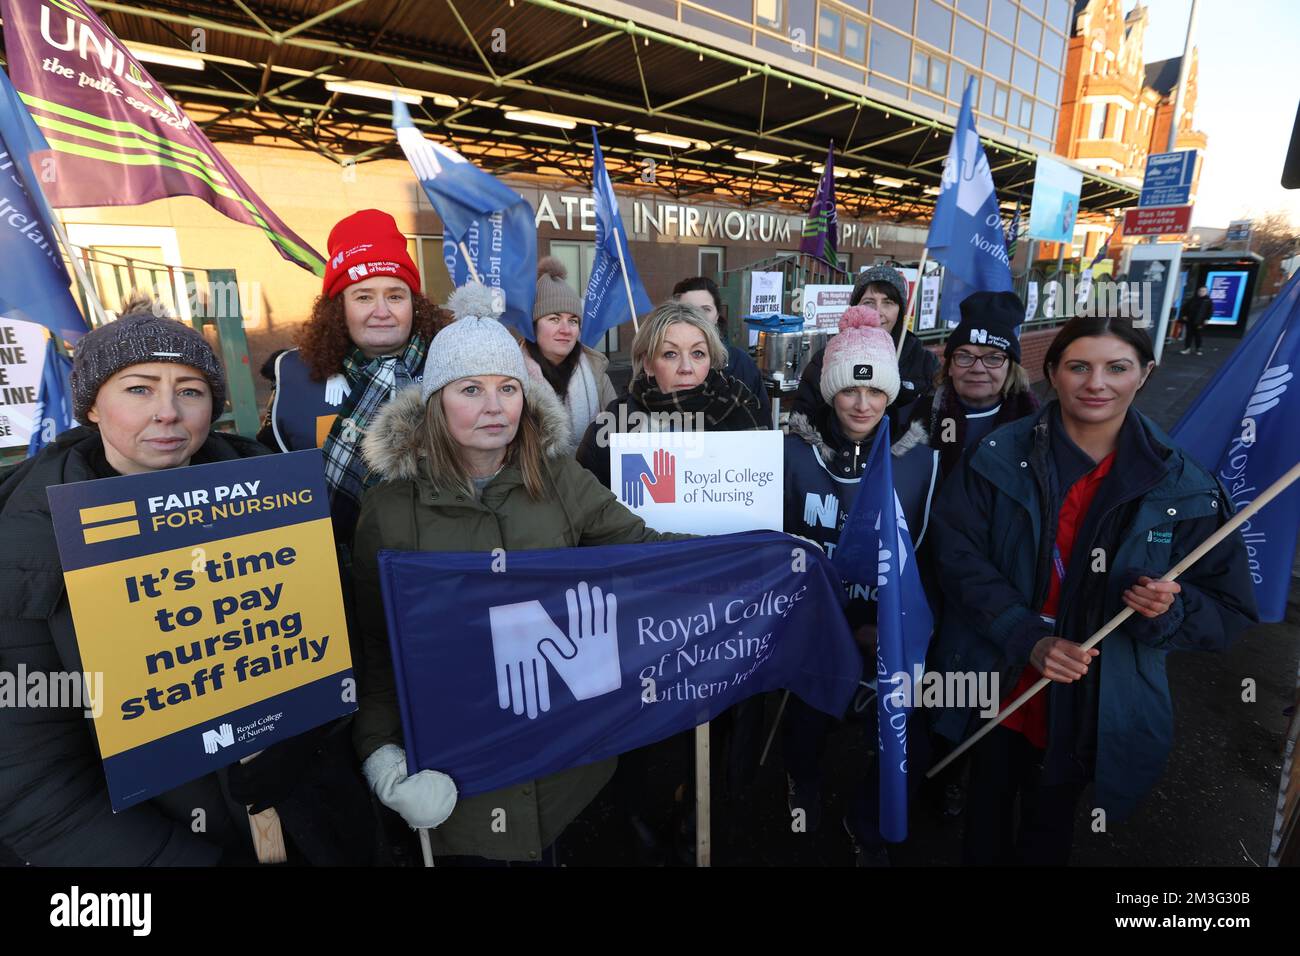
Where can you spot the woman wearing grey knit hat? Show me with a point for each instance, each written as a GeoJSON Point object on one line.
{"type": "Point", "coordinates": [576, 372]}
{"type": "Point", "coordinates": [472, 459]}
{"type": "Point", "coordinates": [146, 389]}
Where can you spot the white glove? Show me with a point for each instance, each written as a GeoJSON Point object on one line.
{"type": "Point", "coordinates": [425, 800]}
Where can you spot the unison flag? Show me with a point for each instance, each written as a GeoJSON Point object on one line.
{"type": "Point", "coordinates": [606, 303]}
{"type": "Point", "coordinates": [820, 226]}
{"type": "Point", "coordinates": [120, 140]}
{"type": "Point", "coordinates": [33, 280]}
{"type": "Point", "coordinates": [1242, 429]}
{"type": "Point", "coordinates": [575, 655]}
{"type": "Point", "coordinates": [478, 211]}
{"type": "Point", "coordinates": [966, 231]}
{"type": "Point", "coordinates": [875, 551]}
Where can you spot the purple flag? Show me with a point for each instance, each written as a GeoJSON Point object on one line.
{"type": "Point", "coordinates": [820, 226]}
{"type": "Point", "coordinates": [118, 138]}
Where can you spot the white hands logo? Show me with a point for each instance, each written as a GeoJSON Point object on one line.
{"type": "Point", "coordinates": [1272, 384]}
{"type": "Point", "coordinates": [882, 569]}
{"type": "Point", "coordinates": [525, 639]}
{"type": "Point", "coordinates": [223, 737]}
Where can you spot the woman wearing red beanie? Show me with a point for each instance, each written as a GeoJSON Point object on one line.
{"type": "Point", "coordinates": [366, 338]}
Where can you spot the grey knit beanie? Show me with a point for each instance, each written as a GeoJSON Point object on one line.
{"type": "Point", "coordinates": [885, 275]}
{"type": "Point", "coordinates": [475, 344]}
{"type": "Point", "coordinates": [553, 293]}
{"type": "Point", "coordinates": [136, 337]}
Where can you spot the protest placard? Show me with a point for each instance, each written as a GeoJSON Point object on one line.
{"type": "Point", "coordinates": [208, 598]}
{"type": "Point", "coordinates": [699, 482]}
{"type": "Point", "coordinates": [22, 357]}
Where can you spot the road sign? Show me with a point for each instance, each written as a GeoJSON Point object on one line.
{"type": "Point", "coordinates": [1157, 220]}
{"type": "Point", "coordinates": [1168, 180]}
{"type": "Point", "coordinates": [1238, 230]}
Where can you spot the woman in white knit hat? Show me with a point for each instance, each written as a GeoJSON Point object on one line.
{"type": "Point", "coordinates": [824, 461]}
{"type": "Point", "coordinates": [472, 459]}
{"type": "Point", "coordinates": [575, 372]}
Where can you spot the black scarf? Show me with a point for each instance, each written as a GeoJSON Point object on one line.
{"type": "Point", "coordinates": [557, 376]}
{"type": "Point", "coordinates": [726, 404]}
{"type": "Point", "coordinates": [945, 404]}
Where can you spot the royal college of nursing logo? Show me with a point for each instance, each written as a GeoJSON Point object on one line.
{"type": "Point", "coordinates": [639, 479]}
{"type": "Point", "coordinates": [525, 640]}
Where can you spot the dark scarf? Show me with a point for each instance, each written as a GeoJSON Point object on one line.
{"type": "Point", "coordinates": [945, 404]}
{"type": "Point", "coordinates": [726, 404]}
{"type": "Point", "coordinates": [557, 376]}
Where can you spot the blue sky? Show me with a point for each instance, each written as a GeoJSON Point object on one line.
{"type": "Point", "coordinates": [1246, 105]}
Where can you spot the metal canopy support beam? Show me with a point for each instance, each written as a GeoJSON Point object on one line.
{"type": "Point", "coordinates": [320, 18]}
{"type": "Point", "coordinates": [472, 42]}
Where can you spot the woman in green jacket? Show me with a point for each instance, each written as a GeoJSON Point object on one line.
{"type": "Point", "coordinates": [472, 459]}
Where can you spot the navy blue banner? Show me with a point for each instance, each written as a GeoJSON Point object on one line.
{"type": "Point", "coordinates": [116, 519]}
{"type": "Point", "coordinates": [513, 666]}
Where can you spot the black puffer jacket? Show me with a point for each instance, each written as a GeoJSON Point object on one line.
{"type": "Point", "coordinates": [54, 806]}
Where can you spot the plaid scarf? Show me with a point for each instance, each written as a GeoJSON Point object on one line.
{"type": "Point", "coordinates": [371, 383]}
{"type": "Point", "coordinates": [724, 402]}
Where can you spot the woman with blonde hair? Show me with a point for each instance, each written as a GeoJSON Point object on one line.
{"type": "Point", "coordinates": [472, 459]}
{"type": "Point", "coordinates": [677, 385]}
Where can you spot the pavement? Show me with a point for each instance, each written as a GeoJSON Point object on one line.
{"type": "Point", "coordinates": [1214, 804]}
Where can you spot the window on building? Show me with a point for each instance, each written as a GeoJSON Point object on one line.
{"type": "Point", "coordinates": [977, 10]}
{"type": "Point", "coordinates": [1053, 51]}
{"type": "Point", "coordinates": [740, 9]}
{"type": "Point", "coordinates": [1097, 120]}
{"type": "Point", "coordinates": [986, 96]}
{"type": "Point", "coordinates": [855, 40]}
{"type": "Point", "coordinates": [1049, 86]}
{"type": "Point", "coordinates": [1025, 72]}
{"type": "Point", "coordinates": [933, 24]}
{"type": "Point", "coordinates": [712, 260]}
{"type": "Point", "coordinates": [1026, 113]}
{"type": "Point", "coordinates": [890, 53]}
{"type": "Point", "coordinates": [1033, 6]}
{"type": "Point", "coordinates": [770, 13]}
{"type": "Point", "coordinates": [1029, 34]}
{"type": "Point", "coordinates": [929, 72]}
{"type": "Point", "coordinates": [830, 26]}
{"type": "Point", "coordinates": [889, 86]}
{"type": "Point", "coordinates": [896, 12]}
{"type": "Point", "coordinates": [1060, 14]}
{"type": "Point", "coordinates": [1121, 115]}
{"type": "Point", "coordinates": [1000, 99]}
{"type": "Point", "coordinates": [997, 58]}
{"type": "Point", "coordinates": [1002, 17]}
{"type": "Point", "coordinates": [957, 82]}
{"type": "Point", "coordinates": [1045, 122]}
{"type": "Point", "coordinates": [968, 42]}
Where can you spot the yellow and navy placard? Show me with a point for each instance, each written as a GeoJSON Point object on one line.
{"type": "Point", "coordinates": [209, 599]}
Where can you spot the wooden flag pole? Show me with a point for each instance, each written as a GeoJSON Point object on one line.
{"type": "Point", "coordinates": [703, 797]}
{"type": "Point", "coordinates": [469, 262]}
{"type": "Point", "coordinates": [627, 283]}
{"type": "Point", "coordinates": [1240, 518]}
{"type": "Point", "coordinates": [911, 300]}
{"type": "Point", "coordinates": [426, 848]}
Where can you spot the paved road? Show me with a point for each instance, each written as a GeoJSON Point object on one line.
{"type": "Point", "coordinates": [1214, 805]}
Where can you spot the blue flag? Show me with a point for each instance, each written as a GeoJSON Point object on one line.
{"type": "Point", "coordinates": [492, 222]}
{"type": "Point", "coordinates": [1242, 429]}
{"type": "Point", "coordinates": [33, 280]}
{"type": "Point", "coordinates": [54, 408]}
{"type": "Point", "coordinates": [966, 231]}
{"type": "Point", "coordinates": [606, 304]}
{"type": "Point", "coordinates": [875, 551]}
{"type": "Point", "coordinates": [575, 655]}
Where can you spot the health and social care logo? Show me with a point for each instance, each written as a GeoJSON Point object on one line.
{"type": "Point", "coordinates": [525, 640]}
{"type": "Point", "coordinates": [638, 478]}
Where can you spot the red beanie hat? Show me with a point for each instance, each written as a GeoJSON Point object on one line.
{"type": "Point", "coordinates": [365, 244]}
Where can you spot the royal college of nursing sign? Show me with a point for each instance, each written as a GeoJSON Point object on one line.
{"type": "Point", "coordinates": [651, 219]}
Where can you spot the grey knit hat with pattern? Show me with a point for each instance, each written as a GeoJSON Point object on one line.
{"type": "Point", "coordinates": [137, 337]}
{"type": "Point", "coordinates": [553, 293]}
{"type": "Point", "coordinates": [475, 344]}
{"type": "Point", "coordinates": [885, 275]}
